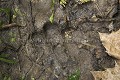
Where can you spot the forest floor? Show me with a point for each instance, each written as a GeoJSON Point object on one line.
{"type": "Point", "coordinates": [53, 51]}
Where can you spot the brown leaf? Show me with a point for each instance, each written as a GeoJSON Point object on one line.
{"type": "Point", "coordinates": [112, 43]}
{"type": "Point", "coordinates": [108, 74]}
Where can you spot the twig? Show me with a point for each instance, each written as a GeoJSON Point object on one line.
{"type": "Point", "coordinates": [10, 26]}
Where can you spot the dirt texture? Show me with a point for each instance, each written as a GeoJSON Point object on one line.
{"type": "Point", "coordinates": [46, 51]}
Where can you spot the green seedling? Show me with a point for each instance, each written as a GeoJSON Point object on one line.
{"type": "Point", "coordinates": [51, 19]}
{"type": "Point", "coordinates": [7, 60]}
{"type": "Point", "coordinates": [75, 76]}
{"type": "Point", "coordinates": [1, 23]}
{"type": "Point", "coordinates": [13, 39]}
{"type": "Point", "coordinates": [4, 58]}
{"type": "Point", "coordinates": [16, 12]}
{"type": "Point", "coordinates": [63, 2]}
{"type": "Point", "coordinates": [6, 10]}
{"type": "Point", "coordinates": [7, 78]}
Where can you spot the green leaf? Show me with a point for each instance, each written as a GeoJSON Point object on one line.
{"type": "Point", "coordinates": [12, 39]}
{"type": "Point", "coordinates": [75, 76]}
{"type": "Point", "coordinates": [22, 78]}
{"type": "Point", "coordinates": [9, 78]}
{"type": "Point", "coordinates": [6, 78]}
{"type": "Point", "coordinates": [1, 24]}
{"type": "Point", "coordinates": [63, 2]}
{"type": "Point", "coordinates": [53, 1]}
{"type": "Point", "coordinates": [17, 12]}
{"type": "Point", "coordinates": [0, 41]}
{"type": "Point", "coordinates": [4, 55]}
{"type": "Point", "coordinates": [7, 11]}
{"type": "Point", "coordinates": [8, 61]}
{"type": "Point", "coordinates": [52, 4]}
{"type": "Point", "coordinates": [32, 78]}
{"type": "Point", "coordinates": [51, 18]}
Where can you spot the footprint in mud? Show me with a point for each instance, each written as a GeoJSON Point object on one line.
{"type": "Point", "coordinates": [53, 33]}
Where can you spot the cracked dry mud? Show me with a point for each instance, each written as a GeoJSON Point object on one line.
{"type": "Point", "coordinates": [54, 51]}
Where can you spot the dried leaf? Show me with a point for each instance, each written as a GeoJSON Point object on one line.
{"type": "Point", "coordinates": [112, 43]}
{"type": "Point", "coordinates": [108, 74]}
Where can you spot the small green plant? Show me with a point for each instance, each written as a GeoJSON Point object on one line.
{"type": "Point", "coordinates": [7, 12]}
{"type": "Point", "coordinates": [11, 15]}
{"type": "Point", "coordinates": [51, 19]}
{"type": "Point", "coordinates": [7, 78]}
{"type": "Point", "coordinates": [13, 37]}
{"type": "Point", "coordinates": [16, 12]}
{"type": "Point", "coordinates": [75, 76]}
{"type": "Point", "coordinates": [32, 78]}
{"type": "Point", "coordinates": [1, 23]}
{"type": "Point", "coordinates": [4, 58]}
{"type": "Point", "coordinates": [63, 2]}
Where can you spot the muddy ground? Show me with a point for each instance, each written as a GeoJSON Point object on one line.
{"type": "Point", "coordinates": [46, 51]}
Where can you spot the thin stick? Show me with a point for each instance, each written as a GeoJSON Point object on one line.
{"type": "Point", "coordinates": [10, 26]}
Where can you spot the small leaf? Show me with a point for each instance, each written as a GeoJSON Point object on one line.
{"type": "Point", "coordinates": [4, 55]}
{"type": "Point", "coordinates": [75, 76]}
{"type": "Point", "coordinates": [9, 78]}
{"type": "Point", "coordinates": [32, 78]}
{"type": "Point", "coordinates": [1, 24]}
{"type": "Point", "coordinates": [63, 2]}
{"type": "Point", "coordinates": [6, 10]}
{"type": "Point", "coordinates": [13, 40]}
{"type": "Point", "coordinates": [53, 1]}
{"type": "Point", "coordinates": [22, 78]}
{"type": "Point", "coordinates": [52, 4]}
{"type": "Point", "coordinates": [17, 12]}
{"type": "Point", "coordinates": [7, 61]}
{"type": "Point", "coordinates": [14, 16]}
{"type": "Point", "coordinates": [51, 18]}
{"type": "Point", "coordinates": [0, 41]}
{"type": "Point", "coordinates": [5, 78]}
